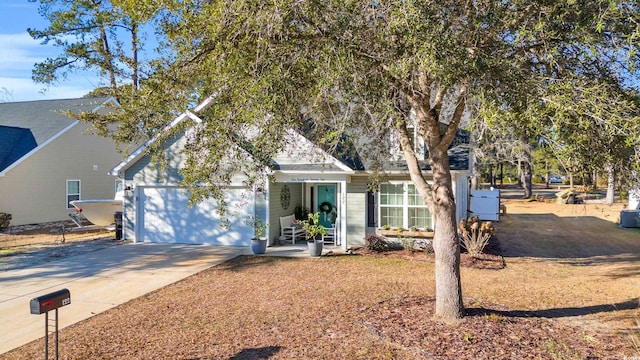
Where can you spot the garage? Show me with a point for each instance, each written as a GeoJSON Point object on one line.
{"type": "Point", "coordinates": [162, 216]}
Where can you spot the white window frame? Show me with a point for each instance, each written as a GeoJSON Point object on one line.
{"type": "Point", "coordinates": [79, 194]}
{"type": "Point", "coordinates": [118, 186]}
{"type": "Point", "coordinates": [405, 205]}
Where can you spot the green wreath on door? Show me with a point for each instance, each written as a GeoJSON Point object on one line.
{"type": "Point", "coordinates": [326, 207]}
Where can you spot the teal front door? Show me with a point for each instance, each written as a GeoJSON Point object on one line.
{"type": "Point", "coordinates": [327, 205]}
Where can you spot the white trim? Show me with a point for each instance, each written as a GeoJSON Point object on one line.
{"type": "Point", "coordinates": [193, 117]}
{"type": "Point", "coordinates": [341, 202]}
{"type": "Point", "coordinates": [311, 177]}
{"type": "Point", "coordinates": [38, 148]}
{"type": "Point", "coordinates": [404, 206]}
{"type": "Point", "coordinates": [66, 192]}
{"type": "Point", "coordinates": [141, 151]}
{"type": "Point", "coordinates": [110, 99]}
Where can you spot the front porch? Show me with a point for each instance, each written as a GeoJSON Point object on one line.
{"type": "Point", "coordinates": [298, 250]}
{"type": "Point", "coordinates": [291, 198]}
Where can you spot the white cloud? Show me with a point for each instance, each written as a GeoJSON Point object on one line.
{"type": "Point", "coordinates": [17, 58]}
{"type": "Point", "coordinates": [20, 52]}
{"type": "Point", "coordinates": [20, 89]}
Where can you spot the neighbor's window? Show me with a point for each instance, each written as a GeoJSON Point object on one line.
{"type": "Point", "coordinates": [119, 186]}
{"type": "Point", "coordinates": [402, 206]}
{"type": "Point", "coordinates": [73, 191]}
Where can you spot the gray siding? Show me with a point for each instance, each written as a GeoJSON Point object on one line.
{"type": "Point", "coordinates": [356, 210]}
{"type": "Point", "coordinates": [145, 171]}
{"type": "Point", "coordinates": [34, 191]}
{"type": "Point", "coordinates": [276, 210]}
{"type": "Point", "coordinates": [128, 217]}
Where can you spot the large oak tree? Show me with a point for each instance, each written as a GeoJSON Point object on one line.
{"type": "Point", "coordinates": [366, 68]}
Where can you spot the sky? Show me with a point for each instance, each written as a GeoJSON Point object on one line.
{"type": "Point", "coordinates": [19, 52]}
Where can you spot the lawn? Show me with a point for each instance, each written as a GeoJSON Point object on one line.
{"type": "Point", "coordinates": [569, 289]}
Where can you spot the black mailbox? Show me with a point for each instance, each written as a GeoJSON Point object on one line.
{"type": "Point", "coordinates": [54, 300]}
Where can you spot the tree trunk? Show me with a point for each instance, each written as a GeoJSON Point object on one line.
{"type": "Point", "coordinates": [547, 182]}
{"type": "Point", "coordinates": [439, 197]}
{"type": "Point", "coordinates": [610, 185]}
{"type": "Point", "coordinates": [526, 174]}
{"type": "Point", "coordinates": [571, 180]}
{"type": "Point", "coordinates": [446, 247]}
{"type": "Point", "coordinates": [519, 166]}
{"type": "Point", "coordinates": [475, 179]}
{"type": "Point", "coordinates": [134, 56]}
{"type": "Point", "coordinates": [492, 180]}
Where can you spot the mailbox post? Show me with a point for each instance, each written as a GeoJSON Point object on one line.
{"type": "Point", "coordinates": [45, 303]}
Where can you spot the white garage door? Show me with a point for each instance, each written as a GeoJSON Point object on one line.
{"type": "Point", "coordinates": [164, 217]}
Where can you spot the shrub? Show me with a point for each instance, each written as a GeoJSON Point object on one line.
{"type": "Point", "coordinates": [5, 219]}
{"type": "Point", "coordinates": [474, 235]}
{"type": "Point", "coordinates": [377, 243]}
{"type": "Point", "coordinates": [408, 244]}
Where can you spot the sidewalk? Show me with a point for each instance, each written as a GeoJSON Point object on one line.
{"type": "Point", "coordinates": [97, 281]}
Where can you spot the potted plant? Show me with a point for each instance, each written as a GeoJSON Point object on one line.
{"type": "Point", "coordinates": [313, 233]}
{"type": "Point", "coordinates": [259, 241]}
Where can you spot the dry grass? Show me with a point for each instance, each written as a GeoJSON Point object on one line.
{"type": "Point", "coordinates": [569, 290]}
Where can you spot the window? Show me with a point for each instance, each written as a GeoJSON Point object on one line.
{"type": "Point", "coordinates": [119, 186]}
{"type": "Point", "coordinates": [402, 206]}
{"type": "Point", "coordinates": [73, 191]}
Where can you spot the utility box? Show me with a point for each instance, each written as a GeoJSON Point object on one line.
{"type": "Point", "coordinates": [485, 204]}
{"type": "Point", "coordinates": [629, 218]}
{"type": "Point", "coordinates": [51, 301]}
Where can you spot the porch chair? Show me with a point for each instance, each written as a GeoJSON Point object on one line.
{"type": "Point", "coordinates": [330, 237]}
{"type": "Point", "coordinates": [290, 231]}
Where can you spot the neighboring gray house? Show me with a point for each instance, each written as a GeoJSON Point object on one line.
{"type": "Point", "coordinates": [48, 159]}
{"type": "Point", "coordinates": [155, 206]}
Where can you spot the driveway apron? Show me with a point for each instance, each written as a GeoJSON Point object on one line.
{"type": "Point", "coordinates": [97, 281]}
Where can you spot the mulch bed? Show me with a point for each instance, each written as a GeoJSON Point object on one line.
{"type": "Point", "coordinates": [486, 332]}
{"type": "Point", "coordinates": [482, 261]}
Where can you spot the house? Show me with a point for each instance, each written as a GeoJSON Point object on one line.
{"type": "Point", "coordinates": [48, 159]}
{"type": "Point", "coordinates": [155, 205]}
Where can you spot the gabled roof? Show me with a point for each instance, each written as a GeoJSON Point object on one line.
{"type": "Point", "coordinates": [15, 142]}
{"type": "Point", "coordinates": [343, 158]}
{"type": "Point", "coordinates": [458, 152]}
{"type": "Point", "coordinates": [192, 114]}
{"type": "Point", "coordinates": [45, 120]}
{"type": "Point", "coordinates": [459, 156]}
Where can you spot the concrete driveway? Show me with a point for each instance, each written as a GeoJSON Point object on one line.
{"type": "Point", "coordinates": [97, 281]}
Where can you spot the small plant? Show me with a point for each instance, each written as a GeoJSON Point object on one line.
{"type": "Point", "coordinates": [312, 226]}
{"type": "Point", "coordinates": [408, 244]}
{"type": "Point", "coordinates": [493, 317]}
{"type": "Point", "coordinates": [259, 227]}
{"type": "Point", "coordinates": [377, 243]}
{"type": "Point", "coordinates": [5, 219]}
{"type": "Point", "coordinates": [468, 337]}
{"type": "Point", "coordinates": [475, 235]}
{"type": "Point", "coordinates": [300, 212]}
{"type": "Point", "coordinates": [386, 227]}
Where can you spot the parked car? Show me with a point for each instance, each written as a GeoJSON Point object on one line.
{"type": "Point", "coordinates": [555, 179]}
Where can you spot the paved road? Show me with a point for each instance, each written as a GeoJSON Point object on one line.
{"type": "Point", "coordinates": [97, 281]}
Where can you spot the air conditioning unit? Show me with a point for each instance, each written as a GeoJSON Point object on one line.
{"type": "Point", "coordinates": [629, 218]}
